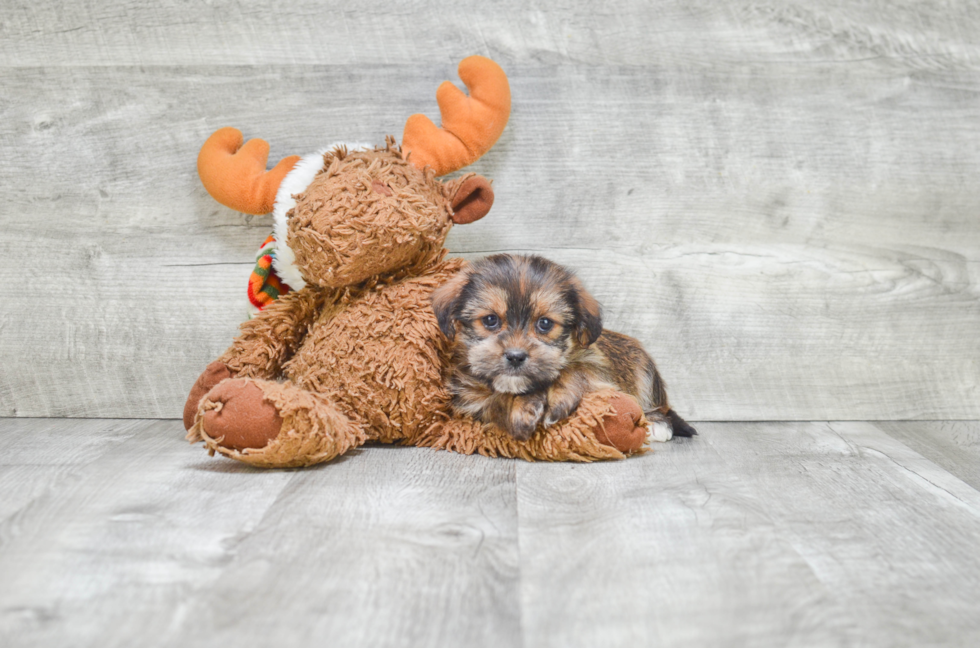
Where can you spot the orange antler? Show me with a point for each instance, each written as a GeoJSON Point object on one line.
{"type": "Point", "coordinates": [235, 175]}
{"type": "Point", "coordinates": [470, 125]}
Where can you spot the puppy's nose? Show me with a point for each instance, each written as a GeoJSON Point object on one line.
{"type": "Point", "coordinates": [515, 357]}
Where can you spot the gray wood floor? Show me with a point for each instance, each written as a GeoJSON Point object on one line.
{"type": "Point", "coordinates": [116, 533]}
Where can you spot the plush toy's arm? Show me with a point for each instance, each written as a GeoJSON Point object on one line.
{"type": "Point", "coordinates": [264, 344]}
{"type": "Point", "coordinates": [607, 425]}
{"type": "Point", "coordinates": [271, 338]}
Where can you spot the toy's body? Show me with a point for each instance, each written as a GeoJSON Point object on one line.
{"type": "Point", "coordinates": [355, 354]}
{"type": "Point", "coordinates": [378, 356]}
{"type": "Point", "coordinates": [372, 359]}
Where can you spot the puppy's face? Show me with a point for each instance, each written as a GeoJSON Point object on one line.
{"type": "Point", "coordinates": [516, 319]}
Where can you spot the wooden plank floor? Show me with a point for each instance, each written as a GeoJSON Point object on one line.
{"type": "Point", "coordinates": [117, 533]}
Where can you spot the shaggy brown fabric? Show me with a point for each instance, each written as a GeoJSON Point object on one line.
{"type": "Point", "coordinates": [343, 231]}
{"type": "Point", "coordinates": [380, 356]}
{"type": "Point", "coordinates": [265, 342]}
{"type": "Point", "coordinates": [572, 440]}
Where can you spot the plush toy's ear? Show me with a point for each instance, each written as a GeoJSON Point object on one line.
{"type": "Point", "coordinates": [589, 325]}
{"type": "Point", "coordinates": [472, 200]}
{"type": "Point", "coordinates": [446, 300]}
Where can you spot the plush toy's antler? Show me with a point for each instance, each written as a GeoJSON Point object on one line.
{"type": "Point", "coordinates": [470, 125]}
{"type": "Point", "coordinates": [235, 175]}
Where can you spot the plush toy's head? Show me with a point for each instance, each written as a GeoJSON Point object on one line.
{"type": "Point", "coordinates": [345, 215]}
{"type": "Point", "coordinates": [372, 212]}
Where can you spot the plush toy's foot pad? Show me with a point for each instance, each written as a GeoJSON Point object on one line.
{"type": "Point", "coordinates": [213, 374]}
{"type": "Point", "coordinates": [237, 415]}
{"type": "Point", "coordinates": [620, 429]}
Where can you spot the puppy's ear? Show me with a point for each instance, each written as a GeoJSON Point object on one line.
{"type": "Point", "coordinates": [445, 300]}
{"type": "Point", "coordinates": [589, 325]}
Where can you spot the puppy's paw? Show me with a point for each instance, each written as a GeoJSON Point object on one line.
{"type": "Point", "coordinates": [564, 397]}
{"type": "Point", "coordinates": [554, 416]}
{"type": "Point", "coordinates": [525, 415]}
{"type": "Point", "coordinates": [661, 431]}
{"type": "Point", "coordinates": [560, 412]}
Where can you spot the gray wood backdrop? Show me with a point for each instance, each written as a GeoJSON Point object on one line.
{"type": "Point", "coordinates": [781, 200]}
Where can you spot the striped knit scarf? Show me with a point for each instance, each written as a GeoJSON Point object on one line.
{"type": "Point", "coordinates": [264, 285]}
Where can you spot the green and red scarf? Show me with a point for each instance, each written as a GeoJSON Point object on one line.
{"type": "Point", "coordinates": [264, 285]}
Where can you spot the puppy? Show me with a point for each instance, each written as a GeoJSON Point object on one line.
{"type": "Point", "coordinates": [529, 344]}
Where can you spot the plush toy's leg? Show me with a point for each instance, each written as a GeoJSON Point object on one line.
{"type": "Point", "coordinates": [238, 417]}
{"type": "Point", "coordinates": [607, 425]}
{"type": "Point", "coordinates": [272, 424]}
{"type": "Point", "coordinates": [622, 428]}
{"type": "Point", "coordinates": [211, 376]}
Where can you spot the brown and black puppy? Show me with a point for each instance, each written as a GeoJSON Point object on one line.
{"type": "Point", "coordinates": [529, 344]}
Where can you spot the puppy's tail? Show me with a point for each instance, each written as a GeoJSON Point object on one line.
{"type": "Point", "coordinates": [679, 425]}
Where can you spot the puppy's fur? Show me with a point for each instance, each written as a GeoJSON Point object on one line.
{"type": "Point", "coordinates": [529, 344]}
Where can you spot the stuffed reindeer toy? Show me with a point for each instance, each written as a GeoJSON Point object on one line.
{"type": "Point", "coordinates": [350, 351]}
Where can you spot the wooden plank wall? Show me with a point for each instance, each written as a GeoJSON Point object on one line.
{"type": "Point", "coordinates": [780, 200]}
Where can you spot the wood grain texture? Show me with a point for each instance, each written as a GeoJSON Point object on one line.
{"type": "Point", "coordinates": [127, 535]}
{"type": "Point", "coordinates": [954, 445]}
{"type": "Point", "coordinates": [752, 534]}
{"type": "Point", "coordinates": [389, 547]}
{"type": "Point", "coordinates": [231, 32]}
{"type": "Point", "coordinates": [117, 533]}
{"type": "Point", "coordinates": [777, 200]}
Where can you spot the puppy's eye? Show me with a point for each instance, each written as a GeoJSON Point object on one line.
{"type": "Point", "coordinates": [544, 325]}
{"type": "Point", "coordinates": [491, 322]}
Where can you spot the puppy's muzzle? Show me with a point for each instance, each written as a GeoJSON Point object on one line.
{"type": "Point", "coordinates": [515, 358]}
